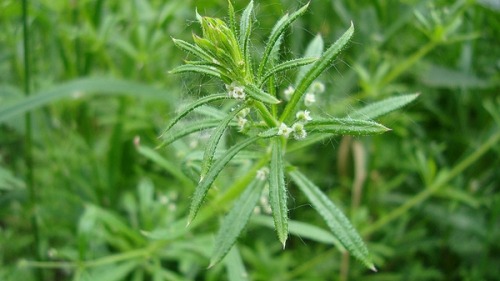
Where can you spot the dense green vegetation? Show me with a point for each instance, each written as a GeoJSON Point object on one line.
{"type": "Point", "coordinates": [85, 194]}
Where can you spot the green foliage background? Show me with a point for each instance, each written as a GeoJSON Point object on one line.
{"type": "Point", "coordinates": [109, 207]}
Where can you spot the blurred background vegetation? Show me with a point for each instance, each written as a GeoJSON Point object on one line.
{"type": "Point", "coordinates": [97, 202]}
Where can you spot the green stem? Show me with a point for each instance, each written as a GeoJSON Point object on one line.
{"type": "Point", "coordinates": [28, 140]}
{"type": "Point", "coordinates": [266, 115]}
{"type": "Point", "coordinates": [402, 67]}
{"type": "Point", "coordinates": [434, 187]}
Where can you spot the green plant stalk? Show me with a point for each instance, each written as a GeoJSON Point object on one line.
{"type": "Point", "coordinates": [28, 141]}
{"type": "Point", "coordinates": [435, 186]}
{"type": "Point", "coordinates": [402, 67]}
{"type": "Point", "coordinates": [266, 115]}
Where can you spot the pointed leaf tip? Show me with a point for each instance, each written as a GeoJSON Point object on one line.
{"type": "Point", "coordinates": [373, 268]}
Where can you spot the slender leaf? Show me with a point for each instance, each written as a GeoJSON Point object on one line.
{"type": "Point", "coordinates": [206, 182]}
{"type": "Point", "coordinates": [208, 156]}
{"type": "Point", "coordinates": [383, 107]}
{"type": "Point", "coordinates": [345, 126]}
{"type": "Point", "coordinates": [235, 268]}
{"type": "Point", "coordinates": [303, 230]}
{"type": "Point", "coordinates": [258, 94]}
{"type": "Point", "coordinates": [193, 49]}
{"type": "Point", "coordinates": [202, 69]}
{"type": "Point", "coordinates": [232, 16]}
{"type": "Point", "coordinates": [269, 133]}
{"type": "Point", "coordinates": [314, 49]}
{"type": "Point", "coordinates": [275, 52]}
{"type": "Point", "coordinates": [170, 137]}
{"type": "Point", "coordinates": [277, 191]}
{"type": "Point", "coordinates": [192, 106]}
{"type": "Point", "coordinates": [288, 65]}
{"type": "Point", "coordinates": [334, 218]}
{"type": "Point", "coordinates": [316, 69]}
{"type": "Point", "coordinates": [236, 220]}
{"type": "Point", "coordinates": [164, 163]}
{"type": "Point", "coordinates": [246, 30]}
{"type": "Point", "coordinates": [76, 89]}
{"type": "Point", "coordinates": [277, 31]}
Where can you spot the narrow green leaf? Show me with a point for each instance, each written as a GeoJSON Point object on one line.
{"type": "Point", "coordinates": [193, 49]}
{"type": "Point", "coordinates": [383, 107]}
{"type": "Point", "coordinates": [172, 168]}
{"type": "Point", "coordinates": [235, 268]}
{"type": "Point", "coordinates": [274, 56]}
{"type": "Point", "coordinates": [334, 218]}
{"type": "Point", "coordinates": [77, 89]}
{"type": "Point", "coordinates": [258, 94]}
{"type": "Point", "coordinates": [246, 28]}
{"type": "Point", "coordinates": [277, 31]}
{"type": "Point", "coordinates": [206, 182]}
{"type": "Point", "coordinates": [170, 136]}
{"type": "Point", "coordinates": [316, 69]}
{"type": "Point", "coordinates": [115, 272]}
{"type": "Point", "coordinates": [236, 220]}
{"type": "Point", "coordinates": [303, 230]}
{"type": "Point", "coordinates": [314, 49]}
{"type": "Point", "coordinates": [202, 69]}
{"type": "Point", "coordinates": [231, 15]}
{"type": "Point", "coordinates": [269, 133]}
{"type": "Point", "coordinates": [208, 156]}
{"type": "Point", "coordinates": [345, 126]}
{"type": "Point", "coordinates": [288, 65]}
{"type": "Point", "coordinates": [277, 191]}
{"type": "Point", "coordinates": [192, 106]}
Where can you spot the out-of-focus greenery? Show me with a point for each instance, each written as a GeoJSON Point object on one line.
{"type": "Point", "coordinates": [108, 206]}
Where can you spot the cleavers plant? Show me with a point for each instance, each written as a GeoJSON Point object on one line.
{"type": "Point", "coordinates": [267, 124]}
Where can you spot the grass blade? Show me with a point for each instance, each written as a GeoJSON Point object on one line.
{"type": "Point", "coordinates": [316, 69]}
{"type": "Point", "coordinates": [173, 169]}
{"type": "Point", "coordinates": [236, 220]}
{"type": "Point", "coordinates": [235, 268]}
{"type": "Point", "coordinates": [345, 126]}
{"type": "Point", "coordinates": [193, 106]}
{"type": "Point", "coordinates": [209, 153]}
{"type": "Point", "coordinates": [78, 88]}
{"type": "Point", "coordinates": [277, 191]}
{"type": "Point", "coordinates": [277, 31]}
{"type": "Point", "coordinates": [334, 218]}
{"type": "Point", "coordinates": [206, 182]}
{"type": "Point", "coordinates": [258, 94]}
{"type": "Point", "coordinates": [383, 107]}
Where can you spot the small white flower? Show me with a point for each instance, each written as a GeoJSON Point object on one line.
{"type": "Point", "coordinates": [284, 130]}
{"type": "Point", "coordinates": [241, 123]}
{"type": "Point", "coordinates": [318, 87]}
{"type": "Point", "coordinates": [299, 133]}
{"type": "Point", "coordinates": [262, 173]}
{"type": "Point", "coordinates": [235, 90]}
{"type": "Point", "coordinates": [288, 92]}
{"type": "Point", "coordinates": [303, 116]}
{"type": "Point", "coordinates": [244, 112]}
{"type": "Point", "coordinates": [309, 99]}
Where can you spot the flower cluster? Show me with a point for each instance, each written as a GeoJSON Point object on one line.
{"type": "Point", "coordinates": [241, 118]}
{"type": "Point", "coordinates": [297, 130]}
{"type": "Point", "coordinates": [309, 97]}
{"type": "Point", "coordinates": [235, 90]}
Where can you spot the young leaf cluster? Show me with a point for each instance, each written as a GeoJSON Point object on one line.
{"type": "Point", "coordinates": [263, 118]}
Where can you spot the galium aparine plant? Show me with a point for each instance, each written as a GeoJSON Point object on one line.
{"type": "Point", "coordinates": [268, 123]}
